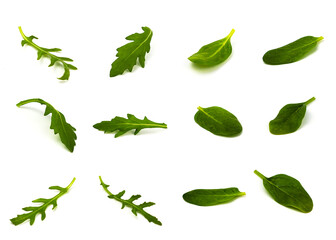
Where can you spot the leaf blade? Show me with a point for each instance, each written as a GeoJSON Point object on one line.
{"type": "Point", "coordinates": [41, 51]}
{"type": "Point", "coordinates": [123, 125]}
{"type": "Point", "coordinates": [218, 121]}
{"type": "Point", "coordinates": [287, 191]}
{"type": "Point", "coordinates": [212, 197]}
{"type": "Point", "coordinates": [292, 52]}
{"type": "Point", "coordinates": [59, 124]}
{"type": "Point", "coordinates": [129, 203]}
{"type": "Point", "coordinates": [128, 54]}
{"type": "Point", "coordinates": [289, 118]}
{"type": "Point", "coordinates": [213, 53]}
{"type": "Point", "coordinates": [34, 211]}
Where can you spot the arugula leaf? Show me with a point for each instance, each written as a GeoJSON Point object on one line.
{"type": "Point", "coordinates": [58, 123]}
{"type": "Point", "coordinates": [218, 121]}
{"type": "Point", "coordinates": [291, 52]}
{"type": "Point", "coordinates": [289, 118]}
{"type": "Point", "coordinates": [211, 197]}
{"type": "Point", "coordinates": [129, 53]}
{"type": "Point", "coordinates": [48, 53]}
{"type": "Point", "coordinates": [213, 53]}
{"type": "Point", "coordinates": [123, 125]}
{"type": "Point", "coordinates": [129, 203]}
{"type": "Point", "coordinates": [33, 211]}
{"type": "Point", "coordinates": [287, 191]}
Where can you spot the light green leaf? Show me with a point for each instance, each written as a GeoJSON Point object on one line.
{"type": "Point", "coordinates": [47, 52]}
{"type": "Point", "coordinates": [45, 203]}
{"type": "Point", "coordinates": [213, 53]}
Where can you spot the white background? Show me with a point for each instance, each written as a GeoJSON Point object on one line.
{"type": "Point", "coordinates": [162, 164]}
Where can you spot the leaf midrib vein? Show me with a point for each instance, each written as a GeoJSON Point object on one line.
{"type": "Point", "coordinates": [143, 42]}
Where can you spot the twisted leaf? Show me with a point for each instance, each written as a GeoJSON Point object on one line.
{"type": "Point", "coordinates": [129, 53]}
{"type": "Point", "coordinates": [58, 123]}
{"type": "Point", "coordinates": [45, 203]}
{"type": "Point", "coordinates": [47, 52]}
{"type": "Point", "coordinates": [123, 125]}
{"type": "Point", "coordinates": [129, 203]}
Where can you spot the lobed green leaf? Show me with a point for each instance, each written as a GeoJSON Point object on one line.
{"type": "Point", "coordinates": [47, 52]}
{"type": "Point", "coordinates": [58, 123]}
{"type": "Point", "coordinates": [123, 125]}
{"type": "Point", "coordinates": [129, 203]}
{"type": "Point", "coordinates": [131, 52]}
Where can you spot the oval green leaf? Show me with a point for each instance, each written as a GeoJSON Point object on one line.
{"type": "Point", "coordinates": [213, 53]}
{"type": "Point", "coordinates": [287, 191]}
{"type": "Point", "coordinates": [218, 121]}
{"type": "Point", "coordinates": [211, 197]}
{"type": "Point", "coordinates": [292, 52]}
{"type": "Point", "coordinates": [289, 118]}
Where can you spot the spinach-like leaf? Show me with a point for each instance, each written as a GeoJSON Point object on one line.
{"type": "Point", "coordinates": [292, 52]}
{"type": "Point", "coordinates": [123, 125]}
{"type": "Point", "coordinates": [33, 211]}
{"type": "Point", "coordinates": [48, 52]}
{"type": "Point", "coordinates": [289, 118]}
{"type": "Point", "coordinates": [213, 53]}
{"type": "Point", "coordinates": [129, 53]}
{"type": "Point", "coordinates": [287, 191]}
{"type": "Point", "coordinates": [129, 203]}
{"type": "Point", "coordinates": [211, 197]}
{"type": "Point", "coordinates": [218, 121]}
{"type": "Point", "coordinates": [58, 123]}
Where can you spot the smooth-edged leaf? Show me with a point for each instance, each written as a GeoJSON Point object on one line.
{"type": "Point", "coordinates": [129, 203]}
{"type": "Point", "coordinates": [287, 191]}
{"type": "Point", "coordinates": [58, 123]}
{"type": "Point", "coordinates": [289, 118]}
{"type": "Point", "coordinates": [292, 52]}
{"type": "Point", "coordinates": [131, 52]}
{"type": "Point", "coordinates": [218, 121]}
{"type": "Point", "coordinates": [213, 53]}
{"type": "Point", "coordinates": [45, 203]}
{"type": "Point", "coordinates": [123, 125]}
{"type": "Point", "coordinates": [47, 52]}
{"type": "Point", "coordinates": [211, 197]}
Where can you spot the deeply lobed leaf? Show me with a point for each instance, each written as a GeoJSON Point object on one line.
{"type": "Point", "coordinates": [129, 203]}
{"type": "Point", "coordinates": [35, 210]}
{"type": "Point", "coordinates": [47, 52]}
{"type": "Point", "coordinates": [58, 123]}
{"type": "Point", "coordinates": [131, 52]}
{"type": "Point", "coordinates": [123, 125]}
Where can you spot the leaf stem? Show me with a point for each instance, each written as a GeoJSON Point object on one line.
{"type": "Point", "coordinates": [231, 33]}
{"type": "Point", "coordinates": [310, 100]}
{"type": "Point", "coordinates": [259, 174]}
{"type": "Point", "coordinates": [320, 38]}
{"type": "Point", "coordinates": [72, 182]}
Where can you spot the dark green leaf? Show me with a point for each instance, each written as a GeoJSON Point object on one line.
{"type": "Point", "coordinates": [129, 203]}
{"type": "Point", "coordinates": [48, 53]}
{"type": "Point", "coordinates": [218, 121]}
{"type": "Point", "coordinates": [129, 53]}
{"type": "Point", "coordinates": [292, 52]}
{"type": "Point", "coordinates": [287, 191]}
{"type": "Point", "coordinates": [123, 125]}
{"type": "Point", "coordinates": [45, 203]}
{"type": "Point", "coordinates": [213, 53]}
{"type": "Point", "coordinates": [211, 197]}
{"type": "Point", "coordinates": [289, 118]}
{"type": "Point", "coordinates": [58, 123]}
